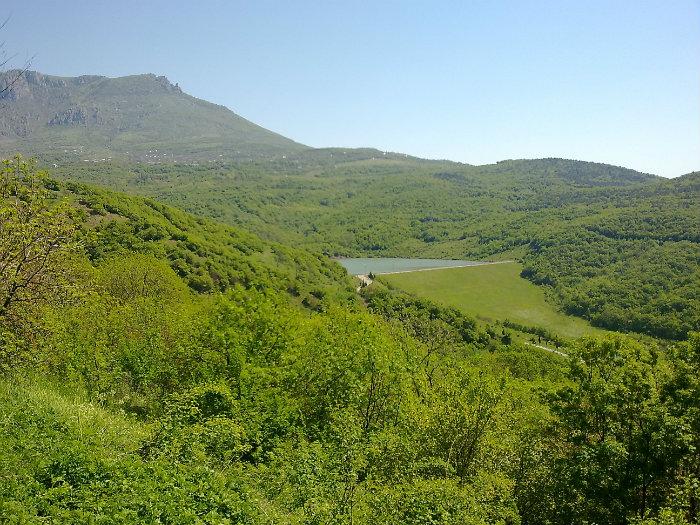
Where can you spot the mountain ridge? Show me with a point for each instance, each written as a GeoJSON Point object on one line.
{"type": "Point", "coordinates": [136, 117]}
{"type": "Point", "coordinates": [147, 118]}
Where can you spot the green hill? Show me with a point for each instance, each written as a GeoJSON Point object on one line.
{"type": "Point", "coordinates": [617, 247]}
{"type": "Point", "coordinates": [358, 202]}
{"type": "Point", "coordinates": [156, 367]}
{"type": "Point", "coordinates": [142, 117]}
{"type": "Point", "coordinates": [208, 256]}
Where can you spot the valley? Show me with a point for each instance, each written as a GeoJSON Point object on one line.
{"type": "Point", "coordinates": [601, 237]}
{"type": "Point", "coordinates": [216, 324]}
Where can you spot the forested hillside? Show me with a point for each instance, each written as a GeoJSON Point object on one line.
{"type": "Point", "coordinates": [158, 368]}
{"type": "Point", "coordinates": [615, 246]}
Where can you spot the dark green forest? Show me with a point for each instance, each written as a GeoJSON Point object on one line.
{"type": "Point", "coordinates": [159, 367]}
{"type": "Point", "coordinates": [617, 247]}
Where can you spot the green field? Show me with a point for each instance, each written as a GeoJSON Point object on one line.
{"type": "Point", "coordinates": [491, 293]}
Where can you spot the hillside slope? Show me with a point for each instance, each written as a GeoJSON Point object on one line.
{"type": "Point", "coordinates": [358, 202]}
{"type": "Point", "coordinates": [207, 255]}
{"type": "Point", "coordinates": [615, 246]}
{"type": "Point", "coordinates": [95, 117]}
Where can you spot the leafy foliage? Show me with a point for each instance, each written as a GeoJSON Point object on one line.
{"type": "Point", "coordinates": [618, 247]}
{"type": "Point", "coordinates": [148, 399]}
{"type": "Point", "coordinates": [36, 239]}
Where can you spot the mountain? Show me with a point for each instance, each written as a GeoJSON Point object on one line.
{"type": "Point", "coordinates": [613, 245]}
{"type": "Point", "coordinates": [139, 117]}
{"type": "Point", "coordinates": [161, 367]}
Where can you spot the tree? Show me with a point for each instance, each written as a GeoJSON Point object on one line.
{"type": "Point", "coordinates": [622, 445]}
{"type": "Point", "coordinates": [12, 76]}
{"type": "Point", "coordinates": [37, 238]}
{"type": "Point", "coordinates": [681, 395]}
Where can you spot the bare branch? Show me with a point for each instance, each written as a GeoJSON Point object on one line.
{"type": "Point", "coordinates": [5, 60]}
{"type": "Point", "coordinates": [19, 75]}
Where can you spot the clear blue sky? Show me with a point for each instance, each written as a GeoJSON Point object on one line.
{"type": "Point", "coordinates": [475, 81]}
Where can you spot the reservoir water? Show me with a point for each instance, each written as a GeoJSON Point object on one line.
{"type": "Point", "coordinates": [377, 265]}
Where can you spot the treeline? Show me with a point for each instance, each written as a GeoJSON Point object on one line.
{"type": "Point", "coordinates": [130, 396]}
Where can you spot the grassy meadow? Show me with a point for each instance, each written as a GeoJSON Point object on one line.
{"type": "Point", "coordinates": [491, 293]}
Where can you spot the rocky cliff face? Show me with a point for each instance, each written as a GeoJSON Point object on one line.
{"type": "Point", "coordinates": [77, 116]}
{"type": "Point", "coordinates": [28, 85]}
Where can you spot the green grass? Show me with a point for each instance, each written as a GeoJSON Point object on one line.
{"type": "Point", "coordinates": [491, 293]}
{"type": "Point", "coordinates": [77, 418]}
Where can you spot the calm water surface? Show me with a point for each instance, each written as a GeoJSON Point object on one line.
{"type": "Point", "coordinates": [360, 266]}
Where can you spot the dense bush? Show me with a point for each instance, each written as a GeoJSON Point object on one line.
{"type": "Point", "coordinates": [143, 400]}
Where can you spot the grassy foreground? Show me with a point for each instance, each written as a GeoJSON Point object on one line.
{"type": "Point", "coordinates": [491, 293]}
